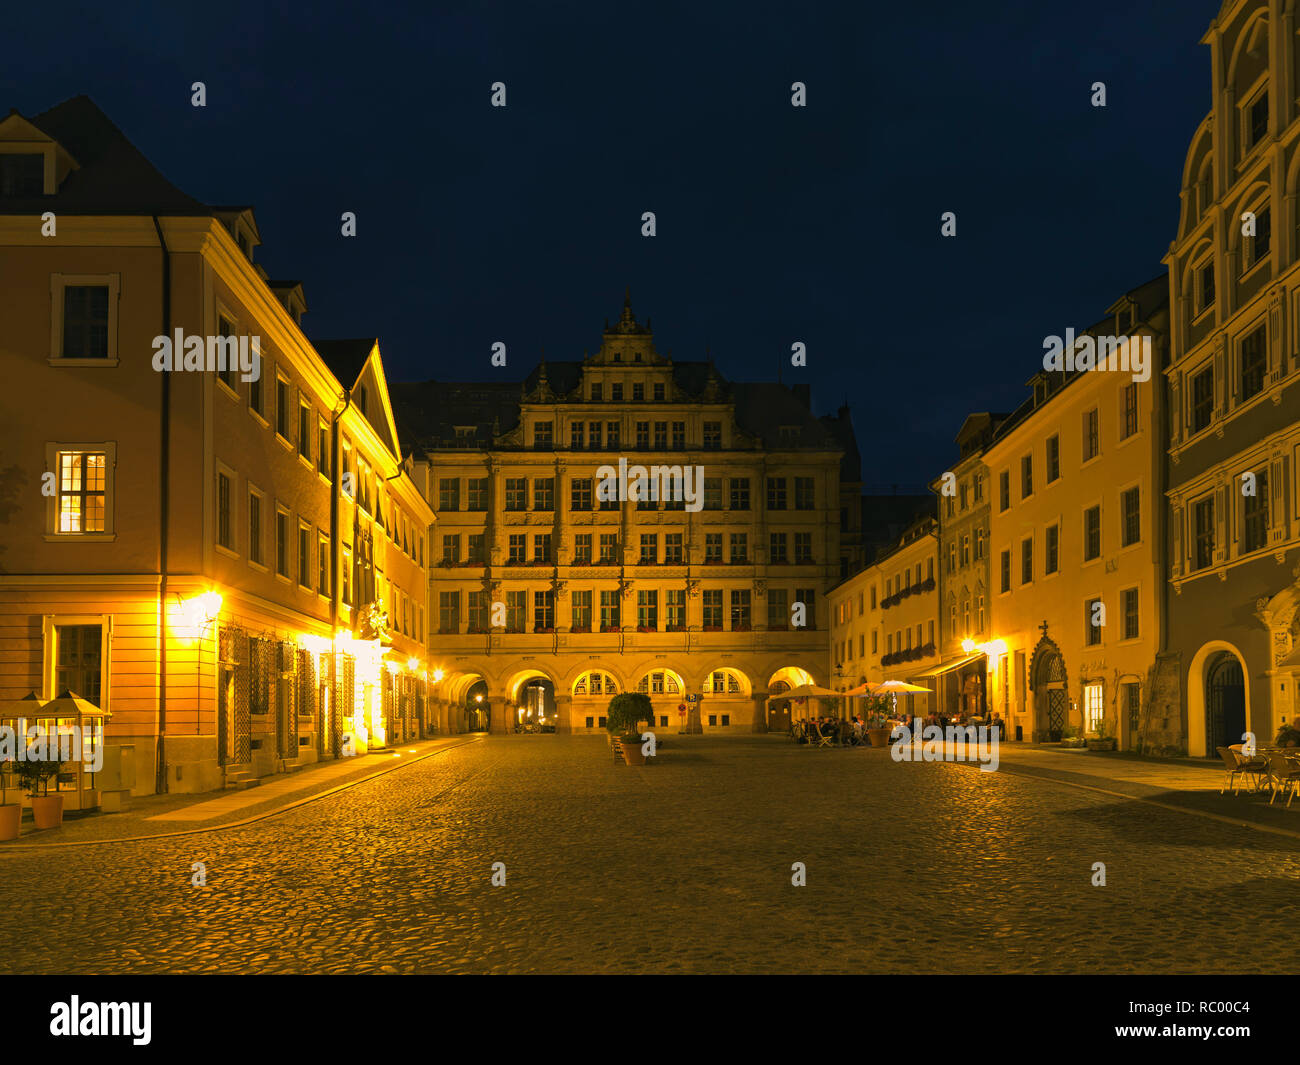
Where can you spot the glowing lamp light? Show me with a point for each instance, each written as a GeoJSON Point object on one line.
{"type": "Point", "coordinates": [412, 663]}
{"type": "Point", "coordinates": [478, 698]}
{"type": "Point", "coordinates": [967, 646]}
{"type": "Point", "coordinates": [994, 648]}
{"type": "Point", "coordinates": [437, 675]}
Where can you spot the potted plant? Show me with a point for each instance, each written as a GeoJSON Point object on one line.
{"type": "Point", "coordinates": [1103, 741]}
{"type": "Point", "coordinates": [11, 813]}
{"type": "Point", "coordinates": [1288, 736]}
{"type": "Point", "coordinates": [626, 712]}
{"type": "Point", "coordinates": [35, 774]}
{"type": "Point", "coordinates": [1070, 737]}
{"type": "Point", "coordinates": [876, 720]}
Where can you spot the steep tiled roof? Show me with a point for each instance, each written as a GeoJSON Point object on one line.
{"type": "Point", "coordinates": [112, 176]}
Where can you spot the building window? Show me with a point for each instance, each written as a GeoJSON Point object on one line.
{"type": "Point", "coordinates": [778, 609]}
{"type": "Point", "coordinates": [807, 596]}
{"type": "Point", "coordinates": [22, 176]}
{"type": "Point", "coordinates": [1093, 613]}
{"type": "Point", "coordinates": [739, 492]}
{"type": "Point", "coordinates": [776, 493]}
{"type": "Point", "coordinates": [1129, 605]}
{"type": "Point", "coordinates": [740, 621]}
{"type": "Point", "coordinates": [676, 603]}
{"type": "Point", "coordinates": [711, 599]}
{"type": "Point", "coordinates": [1254, 515]}
{"type": "Point", "coordinates": [1005, 569]}
{"type": "Point", "coordinates": [476, 551]}
{"type": "Point", "coordinates": [580, 605]}
{"type": "Point", "coordinates": [713, 493]}
{"type": "Point", "coordinates": [608, 549]}
{"type": "Point", "coordinates": [712, 436]}
{"type": "Point", "coordinates": [1027, 561]}
{"type": "Point", "coordinates": [544, 493]}
{"type": "Point", "coordinates": [1026, 476]}
{"type": "Point", "coordinates": [803, 548]}
{"type": "Point", "coordinates": [1131, 516]}
{"type": "Point", "coordinates": [477, 492]}
{"type": "Point", "coordinates": [517, 546]}
{"type": "Point", "coordinates": [477, 610]}
{"type": "Point", "coordinates": [78, 659]}
{"type": "Point", "coordinates": [304, 430]}
{"type": "Point", "coordinates": [82, 504]}
{"type": "Point", "coordinates": [322, 448]}
{"type": "Point", "coordinates": [1133, 706]}
{"type": "Point", "coordinates": [582, 549]}
{"type": "Point", "coordinates": [712, 548]}
{"type": "Point", "coordinates": [449, 494]}
{"type": "Point", "coordinates": [544, 611]}
{"type": "Point", "coordinates": [597, 392]}
{"type": "Point", "coordinates": [1261, 241]}
{"type": "Point", "coordinates": [543, 440]}
{"type": "Point", "coordinates": [1202, 399]}
{"type": "Point", "coordinates": [86, 321]}
{"type": "Point", "coordinates": [282, 542]}
{"type": "Point", "coordinates": [1051, 549]}
{"type": "Point", "coordinates": [777, 549]}
{"type": "Point", "coordinates": [616, 393]}
{"type": "Point", "coordinates": [609, 611]}
{"type": "Point", "coordinates": [612, 432]}
{"type": "Point", "coordinates": [643, 436]}
{"type": "Point", "coordinates": [647, 610]}
{"type": "Point", "coordinates": [580, 493]}
{"type": "Point", "coordinates": [804, 493]}
{"type": "Point", "coordinates": [1254, 362]}
{"type": "Point", "coordinates": [739, 548]}
{"type": "Point", "coordinates": [516, 493]}
{"type": "Point", "coordinates": [577, 435]}
{"type": "Point", "coordinates": [595, 432]}
{"type": "Point", "coordinates": [516, 607]}
{"type": "Point", "coordinates": [673, 549]}
{"type": "Point", "coordinates": [254, 527]}
{"type": "Point", "coordinates": [225, 533]}
{"type": "Point", "coordinates": [1203, 533]}
{"type": "Point", "coordinates": [451, 549]}
{"type": "Point", "coordinates": [1004, 490]}
{"type": "Point", "coordinates": [1129, 420]}
{"type": "Point", "coordinates": [1053, 457]}
{"type": "Point", "coordinates": [1205, 287]}
{"type": "Point", "coordinates": [1091, 533]}
{"type": "Point", "coordinates": [649, 549]}
{"type": "Point", "coordinates": [661, 436]}
{"type": "Point", "coordinates": [323, 583]}
{"type": "Point", "coordinates": [255, 396]}
{"type": "Point", "coordinates": [304, 554]}
{"type": "Point", "coordinates": [1257, 120]}
{"type": "Point", "coordinates": [679, 428]}
{"type": "Point", "coordinates": [282, 407]}
{"type": "Point", "coordinates": [1093, 707]}
{"type": "Point", "coordinates": [1091, 437]}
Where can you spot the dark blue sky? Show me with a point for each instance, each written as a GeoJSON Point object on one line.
{"type": "Point", "coordinates": [775, 224]}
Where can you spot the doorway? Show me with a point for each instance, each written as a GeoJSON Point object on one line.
{"type": "Point", "coordinates": [1225, 701]}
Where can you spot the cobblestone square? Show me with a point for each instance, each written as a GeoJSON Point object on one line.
{"type": "Point", "coordinates": [684, 866]}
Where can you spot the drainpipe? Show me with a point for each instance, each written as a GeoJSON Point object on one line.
{"type": "Point", "coordinates": [164, 470]}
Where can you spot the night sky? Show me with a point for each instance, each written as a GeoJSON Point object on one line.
{"type": "Point", "coordinates": [775, 224]}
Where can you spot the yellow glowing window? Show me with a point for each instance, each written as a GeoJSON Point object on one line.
{"type": "Point", "coordinates": [81, 491]}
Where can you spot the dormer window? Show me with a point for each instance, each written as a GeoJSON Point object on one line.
{"type": "Point", "coordinates": [21, 175]}
{"type": "Point", "coordinates": [464, 436]}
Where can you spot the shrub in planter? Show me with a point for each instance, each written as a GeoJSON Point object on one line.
{"type": "Point", "coordinates": [35, 774]}
{"type": "Point", "coordinates": [626, 711]}
{"type": "Point", "coordinates": [1288, 736]}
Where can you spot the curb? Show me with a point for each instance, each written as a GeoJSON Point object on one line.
{"type": "Point", "coordinates": [8, 848]}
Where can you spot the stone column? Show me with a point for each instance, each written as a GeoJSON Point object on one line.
{"type": "Point", "coordinates": [501, 722]}
{"type": "Point", "coordinates": [563, 715]}
{"type": "Point", "coordinates": [760, 712]}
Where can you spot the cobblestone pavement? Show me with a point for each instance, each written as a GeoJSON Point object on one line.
{"type": "Point", "coordinates": [684, 866]}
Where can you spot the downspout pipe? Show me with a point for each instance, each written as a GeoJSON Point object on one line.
{"type": "Point", "coordinates": [164, 472]}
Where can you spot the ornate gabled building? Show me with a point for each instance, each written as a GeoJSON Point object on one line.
{"type": "Point", "coordinates": [546, 597]}
{"type": "Point", "coordinates": [1234, 391]}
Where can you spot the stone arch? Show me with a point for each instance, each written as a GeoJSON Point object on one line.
{"type": "Point", "coordinates": [1049, 683]}
{"type": "Point", "coordinates": [670, 684]}
{"type": "Point", "coordinates": [743, 684]}
{"type": "Point", "coordinates": [791, 675]}
{"type": "Point", "coordinates": [1198, 675]}
{"type": "Point", "coordinates": [583, 681]}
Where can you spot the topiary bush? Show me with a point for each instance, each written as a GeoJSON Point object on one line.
{"type": "Point", "coordinates": [626, 710]}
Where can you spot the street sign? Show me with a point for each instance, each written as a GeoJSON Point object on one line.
{"type": "Point", "coordinates": [693, 698]}
{"type": "Point", "coordinates": [681, 708]}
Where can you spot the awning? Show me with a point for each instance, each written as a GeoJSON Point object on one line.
{"type": "Point", "coordinates": [956, 663]}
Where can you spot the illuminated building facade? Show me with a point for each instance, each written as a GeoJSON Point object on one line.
{"type": "Point", "coordinates": [181, 546]}
{"type": "Point", "coordinates": [1076, 545]}
{"type": "Point", "coordinates": [1234, 392]}
{"type": "Point", "coordinates": [546, 599]}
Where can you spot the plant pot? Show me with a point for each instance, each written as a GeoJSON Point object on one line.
{"type": "Point", "coordinates": [879, 737]}
{"type": "Point", "coordinates": [1102, 745]}
{"type": "Point", "coordinates": [11, 816]}
{"type": "Point", "coordinates": [47, 811]}
{"type": "Point", "coordinates": [632, 750]}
